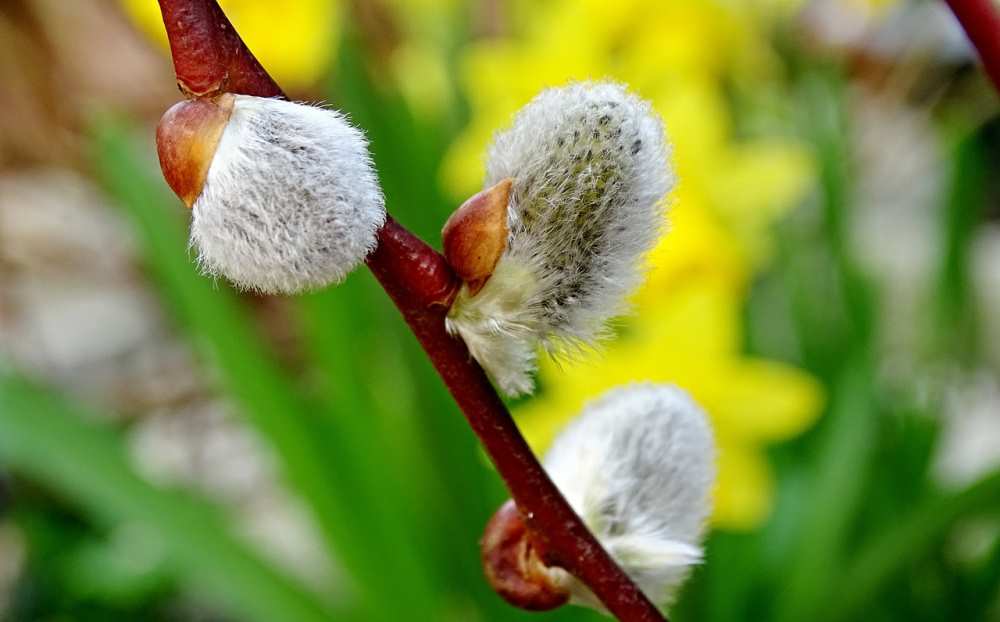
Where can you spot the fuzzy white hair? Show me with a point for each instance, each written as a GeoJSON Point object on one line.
{"type": "Point", "coordinates": [638, 466]}
{"type": "Point", "coordinates": [589, 164]}
{"type": "Point", "coordinates": [291, 201]}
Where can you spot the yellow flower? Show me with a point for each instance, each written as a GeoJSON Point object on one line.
{"type": "Point", "coordinates": [692, 339]}
{"type": "Point", "coordinates": [294, 40]}
{"type": "Point", "coordinates": [682, 56]}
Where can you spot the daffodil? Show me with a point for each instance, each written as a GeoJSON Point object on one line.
{"type": "Point", "coordinates": [683, 57]}
{"type": "Point", "coordinates": [692, 338]}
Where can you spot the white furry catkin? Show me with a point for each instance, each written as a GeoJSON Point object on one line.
{"type": "Point", "coordinates": [638, 466]}
{"type": "Point", "coordinates": [291, 201]}
{"type": "Point", "coordinates": [589, 164]}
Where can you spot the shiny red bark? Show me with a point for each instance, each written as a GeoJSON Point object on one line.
{"type": "Point", "coordinates": [981, 21]}
{"type": "Point", "coordinates": [420, 282]}
{"type": "Point", "coordinates": [209, 55]}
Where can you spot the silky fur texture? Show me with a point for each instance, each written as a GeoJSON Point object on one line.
{"type": "Point", "coordinates": [589, 164]}
{"type": "Point", "coordinates": [638, 466]}
{"type": "Point", "coordinates": [291, 201]}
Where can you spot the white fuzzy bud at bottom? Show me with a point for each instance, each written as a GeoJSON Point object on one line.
{"type": "Point", "coordinates": [291, 201]}
{"type": "Point", "coordinates": [638, 466]}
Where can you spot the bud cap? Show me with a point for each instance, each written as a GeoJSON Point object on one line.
{"type": "Point", "coordinates": [475, 236]}
{"type": "Point", "coordinates": [186, 139]}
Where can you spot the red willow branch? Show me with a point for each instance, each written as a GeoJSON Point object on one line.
{"type": "Point", "coordinates": [421, 284]}
{"type": "Point", "coordinates": [210, 58]}
{"type": "Point", "coordinates": [981, 21]}
{"type": "Point", "coordinates": [209, 55]}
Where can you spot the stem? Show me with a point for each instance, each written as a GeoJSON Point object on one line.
{"type": "Point", "coordinates": [421, 283]}
{"type": "Point", "coordinates": [981, 21]}
{"type": "Point", "coordinates": [209, 57]}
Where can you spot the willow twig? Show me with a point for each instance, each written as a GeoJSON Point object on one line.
{"type": "Point", "coordinates": [210, 58]}
{"type": "Point", "coordinates": [981, 21]}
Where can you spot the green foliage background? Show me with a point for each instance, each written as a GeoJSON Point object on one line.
{"type": "Point", "coordinates": [398, 487]}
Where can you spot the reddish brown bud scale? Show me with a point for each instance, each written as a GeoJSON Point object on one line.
{"type": "Point", "coordinates": [186, 139]}
{"type": "Point", "coordinates": [475, 236]}
{"type": "Point", "coordinates": [513, 564]}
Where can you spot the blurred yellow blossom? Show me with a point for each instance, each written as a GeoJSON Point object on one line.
{"type": "Point", "coordinates": [294, 40]}
{"type": "Point", "coordinates": [692, 339]}
{"type": "Point", "coordinates": [682, 56]}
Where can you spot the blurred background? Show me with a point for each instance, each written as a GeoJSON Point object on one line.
{"type": "Point", "coordinates": [829, 290]}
